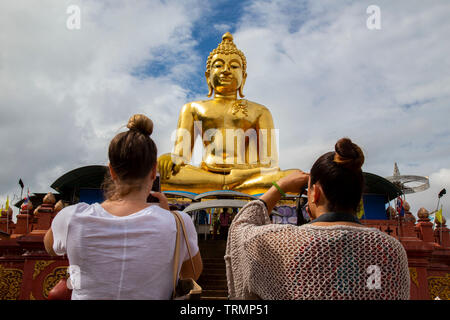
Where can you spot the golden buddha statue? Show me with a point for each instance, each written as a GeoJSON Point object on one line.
{"type": "Point", "coordinates": [238, 135]}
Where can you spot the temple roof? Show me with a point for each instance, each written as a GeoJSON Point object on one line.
{"type": "Point", "coordinates": [375, 184]}
{"type": "Point", "coordinates": [83, 177]}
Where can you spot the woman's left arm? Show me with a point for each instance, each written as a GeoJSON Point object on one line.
{"type": "Point", "coordinates": [56, 237]}
{"type": "Point", "coordinates": [48, 242]}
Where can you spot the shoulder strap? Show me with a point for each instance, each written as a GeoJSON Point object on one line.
{"type": "Point", "coordinates": [176, 255]}
{"type": "Point", "coordinates": [181, 222]}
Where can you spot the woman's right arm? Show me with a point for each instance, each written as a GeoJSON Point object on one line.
{"type": "Point", "coordinates": [293, 182]}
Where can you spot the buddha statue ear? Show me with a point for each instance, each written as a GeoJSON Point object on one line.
{"type": "Point", "coordinates": [210, 87]}
{"type": "Point", "coordinates": [244, 77]}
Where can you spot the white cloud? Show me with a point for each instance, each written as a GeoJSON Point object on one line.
{"type": "Point", "coordinates": [66, 93]}
{"type": "Point", "coordinates": [222, 27]}
{"type": "Point", "coordinates": [324, 75]}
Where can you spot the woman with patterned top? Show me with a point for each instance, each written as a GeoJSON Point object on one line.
{"type": "Point", "coordinates": [332, 257]}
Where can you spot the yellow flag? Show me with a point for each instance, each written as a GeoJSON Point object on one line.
{"type": "Point", "coordinates": [438, 216]}
{"type": "Point", "coordinates": [360, 213]}
{"type": "Point", "coordinates": [7, 203]}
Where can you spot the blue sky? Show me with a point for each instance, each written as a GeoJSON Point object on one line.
{"type": "Point", "coordinates": [217, 17]}
{"type": "Point", "coordinates": [323, 74]}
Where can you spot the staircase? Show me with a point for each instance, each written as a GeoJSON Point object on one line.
{"type": "Point", "coordinates": [213, 279]}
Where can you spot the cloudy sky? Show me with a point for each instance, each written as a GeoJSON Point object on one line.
{"type": "Point", "coordinates": [64, 93]}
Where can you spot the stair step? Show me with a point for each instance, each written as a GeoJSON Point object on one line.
{"type": "Point", "coordinates": [214, 272]}
{"type": "Point", "coordinates": [213, 267]}
{"type": "Point", "coordinates": [213, 285]}
{"type": "Point", "coordinates": [214, 298]}
{"type": "Point", "coordinates": [213, 263]}
{"type": "Point", "coordinates": [214, 293]}
{"type": "Point", "coordinates": [213, 260]}
{"type": "Point", "coordinates": [213, 277]}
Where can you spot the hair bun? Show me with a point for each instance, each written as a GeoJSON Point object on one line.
{"type": "Point", "coordinates": [141, 123]}
{"type": "Point", "coordinates": [348, 154]}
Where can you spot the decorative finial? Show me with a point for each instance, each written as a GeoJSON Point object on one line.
{"type": "Point", "coordinates": [227, 36]}
{"type": "Point", "coordinates": [396, 171]}
{"type": "Point", "coordinates": [391, 213]}
{"type": "Point", "coordinates": [59, 206]}
{"type": "Point", "coordinates": [401, 181]}
{"type": "Point", "coordinates": [49, 198]}
{"type": "Point", "coordinates": [423, 213]}
{"type": "Point", "coordinates": [406, 206]}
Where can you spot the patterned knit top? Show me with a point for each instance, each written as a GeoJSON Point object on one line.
{"type": "Point", "coordinates": [284, 262]}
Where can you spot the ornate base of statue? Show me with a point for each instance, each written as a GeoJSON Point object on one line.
{"type": "Point", "coordinates": [196, 180]}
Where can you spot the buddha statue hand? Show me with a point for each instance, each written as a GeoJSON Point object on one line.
{"type": "Point", "coordinates": [166, 167]}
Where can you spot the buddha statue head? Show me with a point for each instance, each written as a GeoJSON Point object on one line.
{"type": "Point", "coordinates": [226, 68]}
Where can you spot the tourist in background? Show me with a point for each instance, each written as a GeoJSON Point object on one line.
{"type": "Point", "coordinates": [225, 219]}
{"type": "Point", "coordinates": [124, 247]}
{"type": "Point", "coordinates": [216, 224]}
{"type": "Point", "coordinates": [332, 257]}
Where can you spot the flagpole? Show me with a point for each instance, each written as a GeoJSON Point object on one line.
{"type": "Point", "coordinates": [442, 225]}
{"type": "Point", "coordinates": [437, 208]}
{"type": "Point", "coordinates": [7, 222]}
{"type": "Point", "coordinates": [27, 218]}
{"type": "Point", "coordinates": [399, 218]}
{"type": "Point", "coordinates": [7, 217]}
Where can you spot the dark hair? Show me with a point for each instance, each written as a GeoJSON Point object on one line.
{"type": "Point", "coordinates": [132, 154]}
{"type": "Point", "coordinates": [340, 176]}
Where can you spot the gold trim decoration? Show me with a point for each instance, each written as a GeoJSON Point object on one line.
{"type": "Point", "coordinates": [52, 279]}
{"type": "Point", "coordinates": [439, 287]}
{"type": "Point", "coordinates": [31, 296]}
{"type": "Point", "coordinates": [10, 283]}
{"type": "Point", "coordinates": [41, 265]}
{"type": "Point", "coordinates": [413, 275]}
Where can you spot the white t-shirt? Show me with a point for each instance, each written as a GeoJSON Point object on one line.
{"type": "Point", "coordinates": [128, 257]}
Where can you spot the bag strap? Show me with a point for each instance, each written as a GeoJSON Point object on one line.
{"type": "Point", "coordinates": [183, 228]}
{"type": "Point", "coordinates": [176, 256]}
{"type": "Point", "coordinates": [180, 227]}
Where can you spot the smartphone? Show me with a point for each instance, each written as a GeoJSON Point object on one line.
{"type": "Point", "coordinates": [157, 188]}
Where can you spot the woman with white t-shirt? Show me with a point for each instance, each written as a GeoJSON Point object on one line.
{"type": "Point", "coordinates": [124, 247]}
